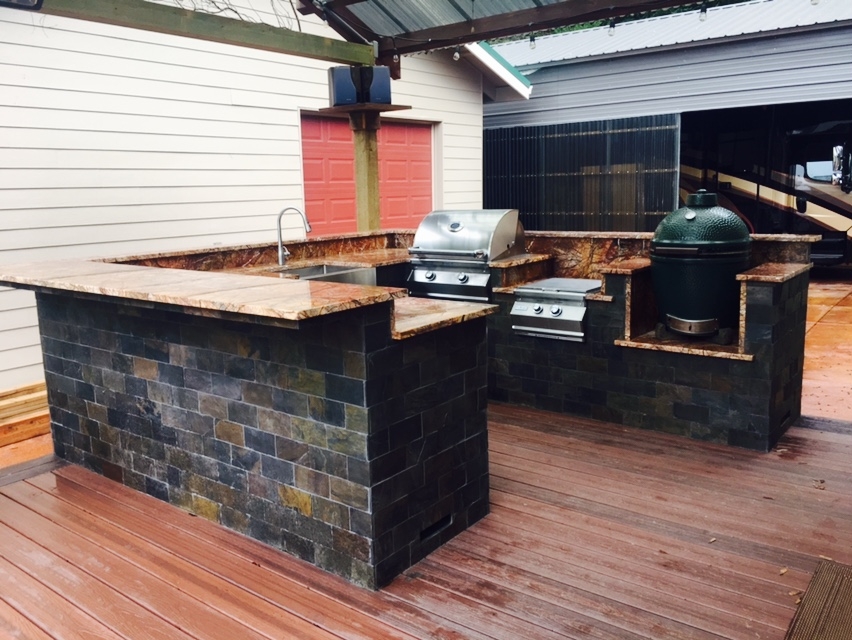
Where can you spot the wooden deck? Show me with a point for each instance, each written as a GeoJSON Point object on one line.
{"type": "Point", "coordinates": [596, 531]}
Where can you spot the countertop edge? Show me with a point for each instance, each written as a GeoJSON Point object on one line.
{"type": "Point", "coordinates": [415, 316]}
{"type": "Point", "coordinates": [671, 348]}
{"type": "Point", "coordinates": [774, 272]}
{"type": "Point", "coordinates": [349, 297]}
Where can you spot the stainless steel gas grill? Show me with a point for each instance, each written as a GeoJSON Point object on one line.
{"type": "Point", "coordinates": [452, 249]}
{"type": "Point", "coordinates": [552, 308]}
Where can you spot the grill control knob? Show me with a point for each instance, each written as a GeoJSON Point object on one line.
{"type": "Point", "coordinates": [430, 275]}
{"type": "Point", "coordinates": [537, 308]}
{"type": "Point", "coordinates": [555, 310]}
{"type": "Point", "coordinates": [463, 277]}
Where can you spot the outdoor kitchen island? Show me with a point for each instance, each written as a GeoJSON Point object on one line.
{"type": "Point", "coordinates": [343, 424]}
{"type": "Point", "coordinates": [346, 424]}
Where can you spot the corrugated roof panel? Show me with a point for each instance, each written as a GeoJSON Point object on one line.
{"type": "Point", "coordinates": [389, 17]}
{"type": "Point", "coordinates": [676, 29]}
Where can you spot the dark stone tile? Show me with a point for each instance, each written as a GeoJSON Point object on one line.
{"type": "Point", "coordinates": [326, 411]}
{"type": "Point", "coordinates": [242, 413]}
{"type": "Point", "coordinates": [260, 441]}
{"type": "Point", "coordinates": [325, 359]}
{"type": "Point", "coordinates": [157, 489]}
{"type": "Point", "coordinates": [225, 387]}
{"type": "Point", "coordinates": [281, 471]}
{"type": "Point", "coordinates": [289, 449]}
{"type": "Point", "coordinates": [691, 412]}
{"type": "Point", "coordinates": [348, 390]}
{"type": "Point", "coordinates": [245, 458]}
{"type": "Point", "coordinates": [239, 367]}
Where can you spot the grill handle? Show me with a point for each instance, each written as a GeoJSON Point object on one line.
{"type": "Point", "coordinates": [676, 251]}
{"type": "Point", "coordinates": [478, 254]}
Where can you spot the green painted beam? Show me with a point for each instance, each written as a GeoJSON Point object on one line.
{"type": "Point", "coordinates": [148, 16]}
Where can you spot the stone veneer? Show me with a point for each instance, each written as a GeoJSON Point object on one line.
{"type": "Point", "coordinates": [747, 402]}
{"type": "Point", "coordinates": [333, 442]}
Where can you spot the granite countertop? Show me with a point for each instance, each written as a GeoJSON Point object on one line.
{"type": "Point", "coordinates": [773, 272]}
{"type": "Point", "coordinates": [216, 291]}
{"type": "Point", "coordinates": [413, 316]}
{"type": "Point", "coordinates": [514, 261]}
{"type": "Point", "coordinates": [627, 267]}
{"type": "Point", "coordinates": [285, 299]}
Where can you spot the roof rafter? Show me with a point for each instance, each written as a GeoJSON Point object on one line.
{"type": "Point", "coordinates": [537, 17]}
{"type": "Point", "coordinates": [138, 14]}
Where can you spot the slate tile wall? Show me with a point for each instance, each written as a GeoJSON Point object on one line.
{"type": "Point", "coordinates": [746, 404]}
{"type": "Point", "coordinates": [333, 442]}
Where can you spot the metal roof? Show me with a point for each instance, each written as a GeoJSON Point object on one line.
{"type": "Point", "coordinates": [406, 26]}
{"type": "Point", "coordinates": [759, 17]}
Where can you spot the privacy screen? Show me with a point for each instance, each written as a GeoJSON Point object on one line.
{"type": "Point", "coordinates": [610, 175]}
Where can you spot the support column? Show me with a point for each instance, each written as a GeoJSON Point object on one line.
{"type": "Point", "coordinates": [365, 120]}
{"type": "Point", "coordinates": [365, 125]}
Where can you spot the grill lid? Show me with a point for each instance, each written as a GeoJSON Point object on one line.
{"type": "Point", "coordinates": [477, 234]}
{"type": "Point", "coordinates": [559, 286]}
{"type": "Point", "coordinates": [702, 226]}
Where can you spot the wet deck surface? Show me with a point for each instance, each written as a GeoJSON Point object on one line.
{"type": "Point", "coordinates": [827, 389]}
{"type": "Point", "coordinates": [596, 531]}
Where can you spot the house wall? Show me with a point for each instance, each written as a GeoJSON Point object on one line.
{"type": "Point", "coordinates": [801, 67]}
{"type": "Point", "coordinates": [115, 141]}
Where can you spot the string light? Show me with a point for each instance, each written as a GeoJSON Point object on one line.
{"type": "Point", "coordinates": [456, 54]}
{"type": "Point", "coordinates": [611, 31]}
{"type": "Point", "coordinates": [396, 57]}
{"type": "Point", "coordinates": [702, 15]}
{"type": "Point", "coordinates": [532, 42]}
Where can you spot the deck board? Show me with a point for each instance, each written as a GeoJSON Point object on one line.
{"type": "Point", "coordinates": [596, 531]}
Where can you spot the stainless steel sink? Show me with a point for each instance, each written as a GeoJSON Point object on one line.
{"type": "Point", "coordinates": [329, 273]}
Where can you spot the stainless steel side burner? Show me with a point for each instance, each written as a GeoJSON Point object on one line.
{"type": "Point", "coordinates": [553, 308]}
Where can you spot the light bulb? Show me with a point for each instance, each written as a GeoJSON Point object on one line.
{"type": "Point", "coordinates": [532, 42]}
{"type": "Point", "coordinates": [456, 54]}
{"type": "Point", "coordinates": [396, 57]}
{"type": "Point", "coordinates": [702, 15]}
{"type": "Point", "coordinates": [612, 28]}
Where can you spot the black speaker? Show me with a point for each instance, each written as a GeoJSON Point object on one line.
{"type": "Point", "coordinates": [342, 90]}
{"type": "Point", "coordinates": [358, 85]}
{"type": "Point", "coordinates": [375, 85]}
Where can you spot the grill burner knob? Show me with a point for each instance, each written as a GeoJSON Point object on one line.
{"type": "Point", "coordinates": [555, 310]}
{"type": "Point", "coordinates": [430, 275]}
{"type": "Point", "coordinates": [463, 277]}
{"type": "Point", "coordinates": [537, 308]}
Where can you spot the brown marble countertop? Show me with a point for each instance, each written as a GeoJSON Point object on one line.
{"type": "Point", "coordinates": [413, 316]}
{"type": "Point", "coordinates": [773, 272]}
{"type": "Point", "coordinates": [674, 345]}
{"type": "Point", "coordinates": [514, 261]}
{"type": "Point", "coordinates": [215, 291]}
{"type": "Point", "coordinates": [627, 267]}
{"type": "Point", "coordinates": [369, 258]}
{"type": "Point", "coordinates": [285, 299]}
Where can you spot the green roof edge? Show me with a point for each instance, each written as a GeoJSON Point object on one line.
{"type": "Point", "coordinates": [505, 63]}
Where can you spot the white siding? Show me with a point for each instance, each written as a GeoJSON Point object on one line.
{"type": "Point", "coordinates": [116, 141]}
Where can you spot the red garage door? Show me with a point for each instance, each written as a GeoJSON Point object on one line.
{"type": "Point", "coordinates": [405, 174]}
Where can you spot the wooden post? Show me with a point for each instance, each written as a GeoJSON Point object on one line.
{"type": "Point", "coordinates": [365, 125]}
{"type": "Point", "coordinates": [365, 120]}
{"type": "Point", "coordinates": [139, 14]}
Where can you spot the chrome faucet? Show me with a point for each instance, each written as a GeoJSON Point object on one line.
{"type": "Point", "coordinates": [283, 254]}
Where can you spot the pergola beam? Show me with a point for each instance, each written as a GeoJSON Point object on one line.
{"type": "Point", "coordinates": [148, 16]}
{"type": "Point", "coordinates": [558, 13]}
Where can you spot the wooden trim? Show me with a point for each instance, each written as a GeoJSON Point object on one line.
{"type": "Point", "coordinates": [138, 14]}
{"type": "Point", "coordinates": [23, 414]}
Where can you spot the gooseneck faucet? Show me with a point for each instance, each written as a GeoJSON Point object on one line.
{"type": "Point", "coordinates": [283, 254]}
